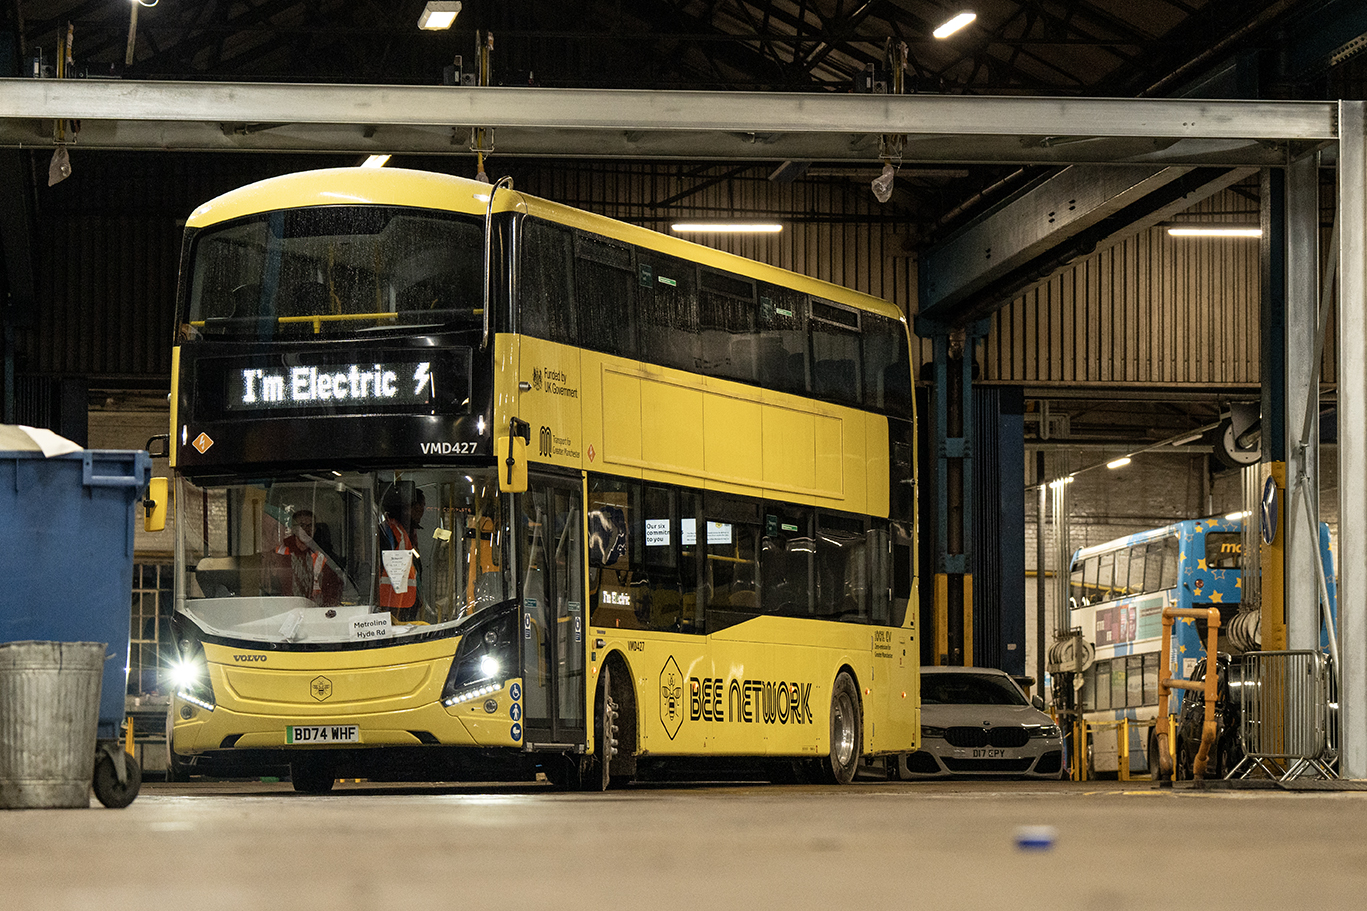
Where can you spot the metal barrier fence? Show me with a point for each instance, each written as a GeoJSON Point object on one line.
{"type": "Point", "coordinates": [1285, 720]}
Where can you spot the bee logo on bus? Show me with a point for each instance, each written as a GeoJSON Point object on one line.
{"type": "Point", "coordinates": [321, 688]}
{"type": "Point", "coordinates": [671, 697]}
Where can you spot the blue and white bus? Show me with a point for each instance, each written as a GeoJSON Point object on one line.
{"type": "Point", "coordinates": [1118, 591]}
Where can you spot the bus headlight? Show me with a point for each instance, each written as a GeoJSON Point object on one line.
{"type": "Point", "coordinates": [189, 675]}
{"type": "Point", "coordinates": [485, 657]}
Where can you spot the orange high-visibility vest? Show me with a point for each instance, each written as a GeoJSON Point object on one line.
{"type": "Point", "coordinates": [394, 537]}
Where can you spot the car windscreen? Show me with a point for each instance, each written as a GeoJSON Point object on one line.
{"type": "Point", "coordinates": [969, 689]}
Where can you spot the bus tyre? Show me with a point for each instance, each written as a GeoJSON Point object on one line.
{"type": "Point", "coordinates": [311, 777]}
{"type": "Point", "coordinates": [847, 732]}
{"type": "Point", "coordinates": [598, 770]}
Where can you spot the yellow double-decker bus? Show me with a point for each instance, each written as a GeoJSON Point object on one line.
{"type": "Point", "coordinates": [471, 485]}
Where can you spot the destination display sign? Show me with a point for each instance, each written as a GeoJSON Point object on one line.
{"type": "Point", "coordinates": [392, 381]}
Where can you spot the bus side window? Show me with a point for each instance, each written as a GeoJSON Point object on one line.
{"type": "Point", "coordinates": [841, 569]}
{"type": "Point", "coordinates": [726, 322]}
{"type": "Point", "coordinates": [731, 533]}
{"type": "Point", "coordinates": [1153, 566]}
{"type": "Point", "coordinates": [887, 368]}
{"type": "Point", "coordinates": [611, 526]}
{"type": "Point", "coordinates": [834, 333]}
{"type": "Point", "coordinates": [1138, 581]}
{"type": "Point", "coordinates": [605, 295]}
{"type": "Point", "coordinates": [1105, 577]}
{"type": "Point", "coordinates": [1171, 572]}
{"type": "Point", "coordinates": [1076, 590]}
{"type": "Point", "coordinates": [1089, 569]}
{"type": "Point", "coordinates": [1122, 573]}
{"type": "Point", "coordinates": [786, 561]}
{"type": "Point", "coordinates": [544, 285]}
{"type": "Point", "coordinates": [1103, 684]}
{"type": "Point", "coordinates": [668, 297]}
{"type": "Point", "coordinates": [783, 340]}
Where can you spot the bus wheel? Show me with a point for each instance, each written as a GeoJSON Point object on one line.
{"type": "Point", "coordinates": [598, 768]}
{"type": "Point", "coordinates": [847, 730]}
{"type": "Point", "coordinates": [311, 776]}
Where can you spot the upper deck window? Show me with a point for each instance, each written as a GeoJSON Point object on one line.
{"type": "Point", "coordinates": [336, 271]}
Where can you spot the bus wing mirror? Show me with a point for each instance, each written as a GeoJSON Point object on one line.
{"type": "Point", "coordinates": [511, 452]}
{"type": "Point", "coordinates": [154, 506]}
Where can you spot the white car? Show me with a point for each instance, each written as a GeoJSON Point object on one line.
{"type": "Point", "coordinates": [976, 721]}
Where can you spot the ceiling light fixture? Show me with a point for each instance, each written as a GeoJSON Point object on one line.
{"type": "Point", "coordinates": [1118, 463]}
{"type": "Point", "coordinates": [694, 227]}
{"type": "Point", "coordinates": [375, 161]}
{"type": "Point", "coordinates": [438, 15]}
{"type": "Point", "coordinates": [1213, 231]}
{"type": "Point", "coordinates": [953, 25]}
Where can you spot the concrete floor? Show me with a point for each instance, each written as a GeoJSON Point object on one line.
{"type": "Point", "coordinates": [204, 846]}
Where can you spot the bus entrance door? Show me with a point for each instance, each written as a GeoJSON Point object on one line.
{"type": "Point", "coordinates": [553, 621]}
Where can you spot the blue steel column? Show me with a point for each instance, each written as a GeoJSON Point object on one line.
{"type": "Point", "coordinates": [1352, 448]}
{"type": "Point", "coordinates": [952, 431]}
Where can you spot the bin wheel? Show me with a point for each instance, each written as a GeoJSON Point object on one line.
{"type": "Point", "coordinates": [312, 777]}
{"type": "Point", "coordinates": [108, 789]}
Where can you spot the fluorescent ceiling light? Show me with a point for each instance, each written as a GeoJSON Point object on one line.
{"type": "Point", "coordinates": [1231, 516]}
{"type": "Point", "coordinates": [726, 228]}
{"type": "Point", "coordinates": [437, 15]}
{"type": "Point", "coordinates": [1214, 231]}
{"type": "Point", "coordinates": [375, 161]}
{"type": "Point", "coordinates": [954, 25]}
{"type": "Point", "coordinates": [1119, 463]}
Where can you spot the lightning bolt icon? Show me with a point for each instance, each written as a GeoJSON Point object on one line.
{"type": "Point", "coordinates": [422, 377]}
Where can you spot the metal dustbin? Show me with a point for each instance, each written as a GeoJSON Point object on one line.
{"type": "Point", "coordinates": [49, 712]}
{"type": "Point", "coordinates": [67, 518]}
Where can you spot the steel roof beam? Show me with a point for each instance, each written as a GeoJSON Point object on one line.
{"type": "Point", "coordinates": [638, 110]}
{"type": "Point", "coordinates": [1022, 242]}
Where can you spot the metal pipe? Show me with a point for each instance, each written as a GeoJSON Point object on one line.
{"type": "Point", "coordinates": [489, 254]}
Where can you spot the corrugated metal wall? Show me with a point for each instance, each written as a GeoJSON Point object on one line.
{"type": "Point", "coordinates": [1151, 309]}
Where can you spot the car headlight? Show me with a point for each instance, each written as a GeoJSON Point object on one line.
{"type": "Point", "coordinates": [930, 731]}
{"type": "Point", "coordinates": [486, 656]}
{"type": "Point", "coordinates": [1046, 731]}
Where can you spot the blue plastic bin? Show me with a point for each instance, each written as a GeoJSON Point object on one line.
{"type": "Point", "coordinates": [66, 555]}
